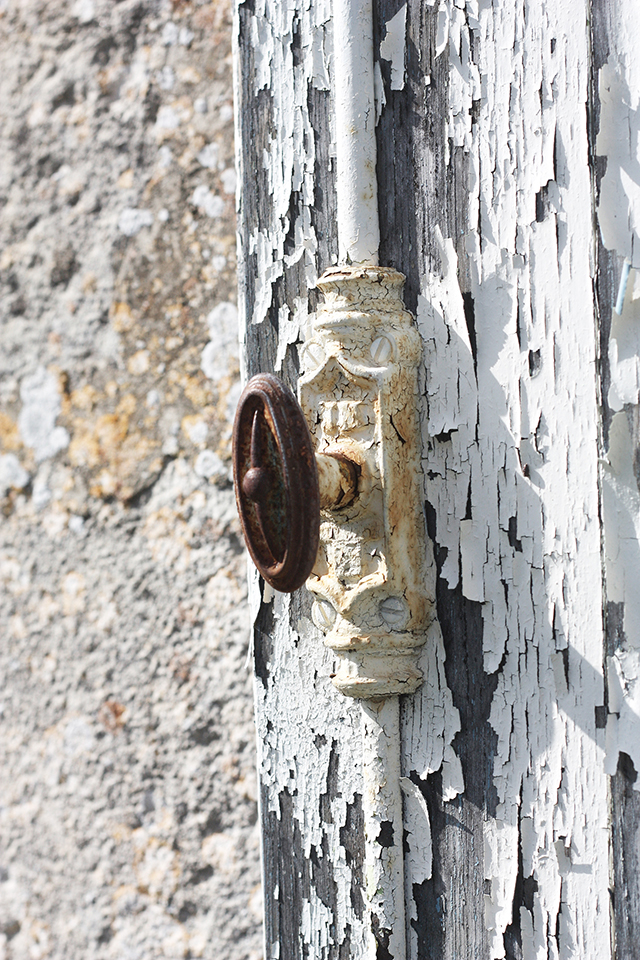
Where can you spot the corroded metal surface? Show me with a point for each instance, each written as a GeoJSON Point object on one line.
{"type": "Point", "coordinates": [338, 477]}
{"type": "Point", "coordinates": [276, 483]}
{"type": "Point", "coordinates": [373, 578]}
{"type": "Point", "coordinates": [358, 529]}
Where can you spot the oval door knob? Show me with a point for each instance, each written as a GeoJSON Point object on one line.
{"type": "Point", "coordinates": [276, 483]}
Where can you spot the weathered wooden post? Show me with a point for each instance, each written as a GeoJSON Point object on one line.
{"type": "Point", "coordinates": [490, 122]}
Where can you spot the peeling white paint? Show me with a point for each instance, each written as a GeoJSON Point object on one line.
{"type": "Point", "coordinates": [511, 472]}
{"type": "Point", "coordinates": [382, 809]}
{"type": "Point", "coordinates": [430, 723]}
{"type": "Point", "coordinates": [450, 412]}
{"type": "Point", "coordinates": [619, 221]}
{"type": "Point", "coordinates": [289, 328]}
{"type": "Point", "coordinates": [290, 158]}
{"type": "Point", "coordinates": [511, 455]}
{"type": "Point", "coordinates": [354, 100]}
{"type": "Point", "coordinates": [618, 209]}
{"type": "Point", "coordinates": [621, 516]}
{"type": "Point", "coordinates": [418, 829]}
{"type": "Point", "coordinates": [432, 709]}
{"type": "Point", "coordinates": [297, 736]}
{"type": "Point", "coordinates": [392, 47]}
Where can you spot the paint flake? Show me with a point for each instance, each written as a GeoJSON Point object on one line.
{"type": "Point", "coordinates": [392, 47]}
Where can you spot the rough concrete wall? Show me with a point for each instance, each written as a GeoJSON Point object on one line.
{"type": "Point", "coordinates": [127, 802]}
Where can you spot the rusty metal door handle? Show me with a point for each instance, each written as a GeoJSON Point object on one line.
{"type": "Point", "coordinates": [276, 483]}
{"type": "Point", "coordinates": [281, 484]}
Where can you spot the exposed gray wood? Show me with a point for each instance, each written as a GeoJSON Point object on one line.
{"type": "Point", "coordinates": [425, 181]}
{"type": "Point", "coordinates": [451, 906]}
{"type": "Point", "coordinates": [625, 800]}
{"type": "Point", "coordinates": [419, 191]}
{"type": "Point", "coordinates": [290, 877]}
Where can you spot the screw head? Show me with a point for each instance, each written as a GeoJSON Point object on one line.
{"type": "Point", "coordinates": [395, 612]}
{"type": "Point", "coordinates": [323, 614]}
{"type": "Point", "coordinates": [381, 350]}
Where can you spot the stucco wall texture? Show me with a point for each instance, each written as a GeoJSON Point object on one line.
{"type": "Point", "coordinates": [128, 821]}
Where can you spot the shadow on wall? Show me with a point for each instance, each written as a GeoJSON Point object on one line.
{"type": "Point", "coordinates": [505, 686]}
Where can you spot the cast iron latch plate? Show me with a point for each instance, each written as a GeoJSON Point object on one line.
{"type": "Point", "coordinates": [330, 491]}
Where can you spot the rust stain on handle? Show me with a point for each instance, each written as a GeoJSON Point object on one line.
{"type": "Point", "coordinates": [276, 483]}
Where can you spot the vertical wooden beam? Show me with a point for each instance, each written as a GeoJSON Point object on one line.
{"type": "Point", "coordinates": [486, 205]}
{"type": "Point", "coordinates": [615, 89]}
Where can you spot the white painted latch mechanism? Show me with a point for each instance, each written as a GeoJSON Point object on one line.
{"type": "Point", "coordinates": [357, 493]}
{"type": "Point", "coordinates": [359, 394]}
